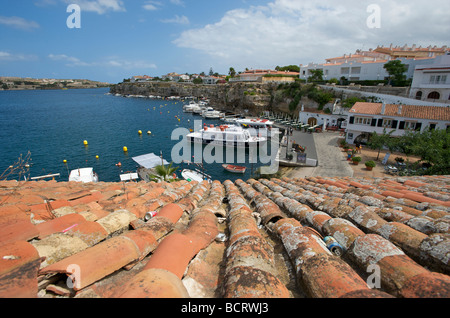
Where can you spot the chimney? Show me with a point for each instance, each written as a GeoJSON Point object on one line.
{"type": "Point", "coordinates": [383, 108]}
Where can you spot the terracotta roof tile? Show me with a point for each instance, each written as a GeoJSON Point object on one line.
{"type": "Point", "coordinates": [19, 264]}
{"type": "Point", "coordinates": [407, 111]}
{"type": "Point", "coordinates": [399, 224]}
{"type": "Point", "coordinates": [61, 224]}
{"type": "Point", "coordinates": [21, 230]}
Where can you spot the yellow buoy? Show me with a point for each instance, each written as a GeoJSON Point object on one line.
{"type": "Point", "coordinates": [140, 132]}
{"type": "Point", "coordinates": [125, 149]}
{"type": "Point", "coordinates": [85, 142]}
{"type": "Point", "coordinates": [96, 157]}
{"type": "Point", "coordinates": [65, 161]}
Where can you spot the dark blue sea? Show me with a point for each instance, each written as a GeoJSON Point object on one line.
{"type": "Point", "coordinates": [53, 124]}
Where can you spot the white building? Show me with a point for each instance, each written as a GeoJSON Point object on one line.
{"type": "Point", "coordinates": [139, 78]}
{"type": "Point", "coordinates": [366, 118]}
{"type": "Point", "coordinates": [360, 70]}
{"type": "Point", "coordinates": [431, 82]}
{"type": "Point", "coordinates": [337, 120]}
{"type": "Point", "coordinates": [368, 65]}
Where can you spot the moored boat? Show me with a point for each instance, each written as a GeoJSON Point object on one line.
{"type": "Point", "coordinates": [195, 175]}
{"type": "Point", "coordinates": [84, 175]}
{"type": "Point", "coordinates": [229, 136]}
{"type": "Point", "coordinates": [233, 168]}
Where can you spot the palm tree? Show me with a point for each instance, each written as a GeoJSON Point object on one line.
{"type": "Point", "coordinates": [164, 173]}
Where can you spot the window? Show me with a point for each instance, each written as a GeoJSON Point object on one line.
{"type": "Point", "coordinates": [356, 70]}
{"type": "Point", "coordinates": [419, 95]}
{"type": "Point", "coordinates": [410, 125]}
{"type": "Point", "coordinates": [387, 123]}
{"type": "Point", "coordinates": [345, 70]}
{"type": "Point", "coordinates": [362, 121]}
{"type": "Point", "coordinates": [438, 79]}
{"type": "Point", "coordinates": [432, 126]}
{"type": "Point", "coordinates": [434, 95]}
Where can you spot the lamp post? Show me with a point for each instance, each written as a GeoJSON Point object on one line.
{"type": "Point", "coordinates": [287, 145]}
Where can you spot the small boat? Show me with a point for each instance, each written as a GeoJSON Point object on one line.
{"type": "Point", "coordinates": [84, 175]}
{"type": "Point", "coordinates": [233, 168]}
{"type": "Point", "coordinates": [195, 175]}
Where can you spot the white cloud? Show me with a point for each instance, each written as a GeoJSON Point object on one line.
{"type": "Point", "coordinates": [71, 61]}
{"type": "Point", "coordinates": [6, 56]}
{"type": "Point", "coordinates": [294, 32]}
{"type": "Point", "coordinates": [99, 6]}
{"type": "Point", "coordinates": [106, 62]}
{"type": "Point", "coordinates": [129, 65]}
{"type": "Point", "coordinates": [152, 5]}
{"type": "Point", "coordinates": [18, 23]}
{"type": "Point", "coordinates": [177, 2]}
{"type": "Point", "coordinates": [177, 19]}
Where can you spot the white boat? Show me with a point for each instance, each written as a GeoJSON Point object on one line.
{"type": "Point", "coordinates": [257, 123]}
{"type": "Point", "coordinates": [198, 109]}
{"type": "Point", "coordinates": [213, 115]}
{"type": "Point", "coordinates": [189, 108]}
{"type": "Point", "coordinates": [257, 126]}
{"type": "Point", "coordinates": [210, 113]}
{"type": "Point", "coordinates": [207, 109]}
{"type": "Point", "coordinates": [194, 175]}
{"type": "Point", "coordinates": [230, 136]}
{"type": "Point", "coordinates": [84, 175]}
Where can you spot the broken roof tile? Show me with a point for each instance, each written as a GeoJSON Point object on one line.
{"type": "Point", "coordinates": [19, 264]}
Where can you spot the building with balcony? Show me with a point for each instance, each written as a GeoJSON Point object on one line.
{"type": "Point", "coordinates": [431, 82]}
{"type": "Point", "coordinates": [369, 65]}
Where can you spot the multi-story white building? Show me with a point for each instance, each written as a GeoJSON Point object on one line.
{"type": "Point", "coordinates": [431, 82]}
{"type": "Point", "coordinates": [367, 118]}
{"type": "Point", "coordinates": [368, 65]}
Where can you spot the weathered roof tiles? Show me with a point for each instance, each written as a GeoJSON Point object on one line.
{"type": "Point", "coordinates": [190, 239]}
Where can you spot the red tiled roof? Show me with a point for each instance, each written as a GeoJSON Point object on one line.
{"type": "Point", "coordinates": [199, 245]}
{"type": "Point", "coordinates": [407, 111]}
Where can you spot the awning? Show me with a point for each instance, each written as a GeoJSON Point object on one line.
{"type": "Point", "coordinates": [149, 161]}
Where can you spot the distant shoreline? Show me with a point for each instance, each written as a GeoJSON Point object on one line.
{"type": "Point", "coordinates": [20, 84]}
{"type": "Point", "coordinates": [50, 89]}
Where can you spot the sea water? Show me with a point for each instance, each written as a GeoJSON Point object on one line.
{"type": "Point", "coordinates": [53, 124]}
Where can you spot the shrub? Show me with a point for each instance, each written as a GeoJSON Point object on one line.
{"type": "Point", "coordinates": [370, 164]}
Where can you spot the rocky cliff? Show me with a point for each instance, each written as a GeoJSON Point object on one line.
{"type": "Point", "coordinates": [236, 97]}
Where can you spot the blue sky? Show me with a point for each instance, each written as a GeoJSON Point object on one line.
{"type": "Point", "coordinates": [121, 38]}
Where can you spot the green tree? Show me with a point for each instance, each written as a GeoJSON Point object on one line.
{"type": "Point", "coordinates": [433, 148]}
{"type": "Point", "coordinates": [289, 68]}
{"type": "Point", "coordinates": [349, 102]}
{"type": "Point", "coordinates": [164, 173]}
{"type": "Point", "coordinates": [232, 72]}
{"type": "Point", "coordinates": [396, 70]}
{"type": "Point", "coordinates": [197, 80]}
{"type": "Point", "coordinates": [316, 76]}
{"type": "Point", "coordinates": [378, 142]}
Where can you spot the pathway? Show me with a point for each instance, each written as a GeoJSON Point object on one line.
{"type": "Point", "coordinates": [323, 147]}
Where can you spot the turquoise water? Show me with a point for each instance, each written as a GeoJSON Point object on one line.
{"type": "Point", "coordinates": [53, 125]}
